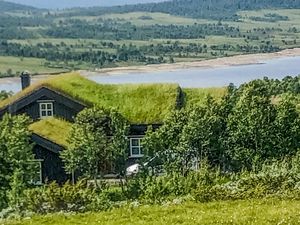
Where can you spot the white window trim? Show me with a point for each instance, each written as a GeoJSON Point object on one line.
{"type": "Point", "coordinates": [46, 103]}
{"type": "Point", "coordinates": [140, 146]}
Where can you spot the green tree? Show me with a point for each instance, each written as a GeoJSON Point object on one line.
{"type": "Point", "coordinates": [93, 147]}
{"type": "Point", "coordinates": [250, 126]}
{"type": "Point", "coordinates": [164, 143]}
{"type": "Point", "coordinates": [5, 94]}
{"type": "Point", "coordinates": [16, 156]}
{"type": "Point", "coordinates": [287, 126]}
{"type": "Point", "coordinates": [203, 134]}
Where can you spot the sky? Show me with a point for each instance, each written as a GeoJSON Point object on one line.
{"type": "Point", "coordinates": [54, 4]}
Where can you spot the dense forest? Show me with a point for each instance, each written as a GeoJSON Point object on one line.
{"type": "Point", "coordinates": [213, 9]}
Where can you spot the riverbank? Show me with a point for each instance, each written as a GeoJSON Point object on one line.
{"type": "Point", "coordinates": [237, 60]}
{"type": "Point", "coordinates": [210, 73]}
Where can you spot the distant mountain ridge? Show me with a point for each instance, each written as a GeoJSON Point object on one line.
{"type": "Point", "coordinates": [10, 6]}
{"type": "Point", "coordinates": [54, 4]}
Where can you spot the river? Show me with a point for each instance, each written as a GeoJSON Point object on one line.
{"type": "Point", "coordinates": [192, 77]}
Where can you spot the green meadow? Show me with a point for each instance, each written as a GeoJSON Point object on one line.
{"type": "Point", "coordinates": [256, 212]}
{"type": "Point", "coordinates": [19, 64]}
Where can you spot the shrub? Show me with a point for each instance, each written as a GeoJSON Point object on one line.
{"type": "Point", "coordinates": [68, 198]}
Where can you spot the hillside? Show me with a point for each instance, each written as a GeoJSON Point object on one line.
{"type": "Point", "coordinates": [133, 35]}
{"type": "Point", "coordinates": [213, 9]}
{"type": "Point", "coordinates": [60, 4]}
{"type": "Point", "coordinates": [9, 6]}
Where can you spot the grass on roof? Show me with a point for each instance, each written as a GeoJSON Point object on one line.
{"type": "Point", "coordinates": [196, 96]}
{"type": "Point", "coordinates": [53, 129]}
{"type": "Point", "coordinates": [139, 103]}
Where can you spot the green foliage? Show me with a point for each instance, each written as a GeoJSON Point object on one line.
{"type": "Point", "coordinates": [272, 179]}
{"type": "Point", "coordinates": [243, 129]}
{"type": "Point", "coordinates": [69, 198]}
{"type": "Point", "coordinates": [203, 132]}
{"type": "Point", "coordinates": [97, 138]}
{"type": "Point", "coordinates": [250, 125]}
{"type": "Point", "coordinates": [163, 143]}
{"type": "Point", "coordinates": [15, 158]}
{"type": "Point", "coordinates": [4, 95]}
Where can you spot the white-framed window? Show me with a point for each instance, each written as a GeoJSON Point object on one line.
{"type": "Point", "coordinates": [136, 149]}
{"type": "Point", "coordinates": [37, 178]}
{"type": "Point", "coordinates": [46, 109]}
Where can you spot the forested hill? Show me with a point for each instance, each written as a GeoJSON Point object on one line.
{"type": "Point", "coordinates": [9, 6]}
{"type": "Point", "coordinates": [216, 9]}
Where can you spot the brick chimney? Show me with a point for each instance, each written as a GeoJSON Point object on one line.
{"type": "Point", "coordinates": [25, 79]}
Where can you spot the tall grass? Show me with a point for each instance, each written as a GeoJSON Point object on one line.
{"type": "Point", "coordinates": [258, 212]}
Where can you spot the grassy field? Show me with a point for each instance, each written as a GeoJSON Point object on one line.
{"type": "Point", "coordinates": [16, 64]}
{"type": "Point", "coordinates": [256, 212]}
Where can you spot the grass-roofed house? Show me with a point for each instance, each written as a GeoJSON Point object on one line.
{"type": "Point", "coordinates": [53, 104]}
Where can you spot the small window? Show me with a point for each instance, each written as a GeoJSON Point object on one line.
{"type": "Point", "coordinates": [136, 149]}
{"type": "Point", "coordinates": [37, 178]}
{"type": "Point", "coordinates": [46, 109]}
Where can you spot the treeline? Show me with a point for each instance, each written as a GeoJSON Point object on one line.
{"type": "Point", "coordinates": [107, 53]}
{"type": "Point", "coordinates": [211, 9]}
{"type": "Point", "coordinates": [95, 57]}
{"type": "Point", "coordinates": [256, 122]}
{"type": "Point", "coordinates": [111, 30]}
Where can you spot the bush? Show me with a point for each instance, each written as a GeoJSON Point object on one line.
{"type": "Point", "coordinates": [153, 189]}
{"type": "Point", "coordinates": [68, 198]}
{"type": "Point", "coordinates": [275, 179]}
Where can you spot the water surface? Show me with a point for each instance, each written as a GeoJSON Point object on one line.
{"type": "Point", "coordinates": [192, 77]}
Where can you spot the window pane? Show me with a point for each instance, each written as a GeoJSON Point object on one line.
{"type": "Point", "coordinates": [135, 142]}
{"type": "Point", "coordinates": [43, 106]}
{"type": "Point", "coordinates": [49, 106]}
{"type": "Point", "coordinates": [49, 113]}
{"type": "Point", "coordinates": [135, 151]}
{"type": "Point", "coordinates": [43, 113]}
{"type": "Point", "coordinates": [142, 150]}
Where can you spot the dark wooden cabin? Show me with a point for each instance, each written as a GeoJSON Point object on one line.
{"type": "Point", "coordinates": [44, 101]}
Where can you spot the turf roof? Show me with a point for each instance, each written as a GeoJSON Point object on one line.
{"type": "Point", "coordinates": [196, 96]}
{"type": "Point", "coordinates": [139, 103]}
{"type": "Point", "coordinates": [53, 129]}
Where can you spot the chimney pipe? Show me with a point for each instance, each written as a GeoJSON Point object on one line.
{"type": "Point", "coordinates": [25, 79]}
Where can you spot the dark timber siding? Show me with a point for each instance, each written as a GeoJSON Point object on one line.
{"type": "Point", "coordinates": [52, 165]}
{"type": "Point", "coordinates": [63, 106]}
{"type": "Point", "coordinates": [59, 110]}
